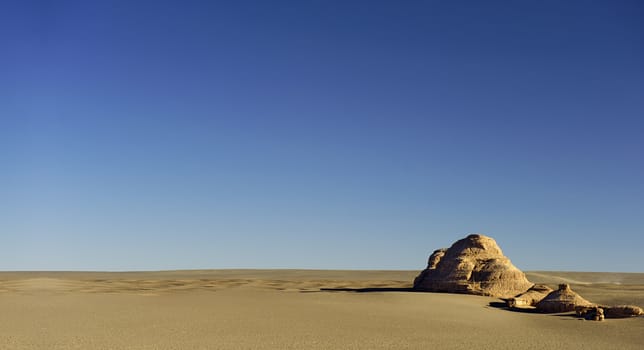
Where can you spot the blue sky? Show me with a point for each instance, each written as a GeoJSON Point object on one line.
{"type": "Point", "coordinates": [320, 134]}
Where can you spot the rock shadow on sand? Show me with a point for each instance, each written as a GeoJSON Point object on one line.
{"type": "Point", "coordinates": [529, 310]}
{"type": "Point", "coordinates": [369, 289]}
{"type": "Point", "coordinates": [504, 306]}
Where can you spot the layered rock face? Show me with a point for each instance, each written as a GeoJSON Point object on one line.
{"type": "Point", "coordinates": [473, 265]}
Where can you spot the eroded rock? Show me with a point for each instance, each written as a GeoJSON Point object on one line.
{"type": "Point", "coordinates": [563, 299]}
{"type": "Point", "coordinates": [472, 265]}
{"type": "Point", "coordinates": [530, 297]}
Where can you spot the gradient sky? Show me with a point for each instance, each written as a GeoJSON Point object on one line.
{"type": "Point", "coordinates": [320, 134]}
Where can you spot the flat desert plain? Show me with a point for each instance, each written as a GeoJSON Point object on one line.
{"type": "Point", "coordinates": [294, 309]}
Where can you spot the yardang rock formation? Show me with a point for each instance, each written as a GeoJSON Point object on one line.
{"type": "Point", "coordinates": [472, 265]}
{"type": "Point", "coordinates": [563, 299]}
{"type": "Point", "coordinates": [530, 297]}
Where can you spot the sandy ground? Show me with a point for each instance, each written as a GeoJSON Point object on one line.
{"type": "Point", "coordinates": [293, 309]}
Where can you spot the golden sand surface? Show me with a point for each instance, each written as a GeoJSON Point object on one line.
{"type": "Point", "coordinates": [293, 309]}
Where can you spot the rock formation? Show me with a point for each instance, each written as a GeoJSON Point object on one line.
{"type": "Point", "coordinates": [622, 311]}
{"type": "Point", "coordinates": [530, 297]}
{"type": "Point", "coordinates": [473, 265]}
{"type": "Point", "coordinates": [619, 311]}
{"type": "Point", "coordinates": [563, 299]}
{"type": "Point", "coordinates": [594, 313]}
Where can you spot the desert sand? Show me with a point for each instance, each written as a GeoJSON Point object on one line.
{"type": "Point", "coordinates": [294, 309]}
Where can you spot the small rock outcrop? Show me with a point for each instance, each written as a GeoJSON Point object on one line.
{"type": "Point", "coordinates": [619, 311]}
{"type": "Point", "coordinates": [563, 299]}
{"type": "Point", "coordinates": [594, 313]}
{"type": "Point", "coordinates": [530, 297]}
{"type": "Point", "coordinates": [622, 311]}
{"type": "Point", "coordinates": [472, 265]}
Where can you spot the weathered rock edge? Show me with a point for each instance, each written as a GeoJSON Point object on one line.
{"type": "Point", "coordinates": [472, 265]}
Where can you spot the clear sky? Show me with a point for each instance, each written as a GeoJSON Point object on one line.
{"type": "Point", "coordinates": [320, 134]}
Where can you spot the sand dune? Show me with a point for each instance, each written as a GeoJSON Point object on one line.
{"type": "Point", "coordinates": [289, 309]}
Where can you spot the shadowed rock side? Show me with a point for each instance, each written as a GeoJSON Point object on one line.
{"type": "Point", "coordinates": [473, 265]}
{"type": "Point", "coordinates": [562, 300]}
{"type": "Point", "coordinates": [622, 311]}
{"type": "Point", "coordinates": [619, 311]}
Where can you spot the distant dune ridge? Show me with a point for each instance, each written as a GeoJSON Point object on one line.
{"type": "Point", "coordinates": [472, 265]}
